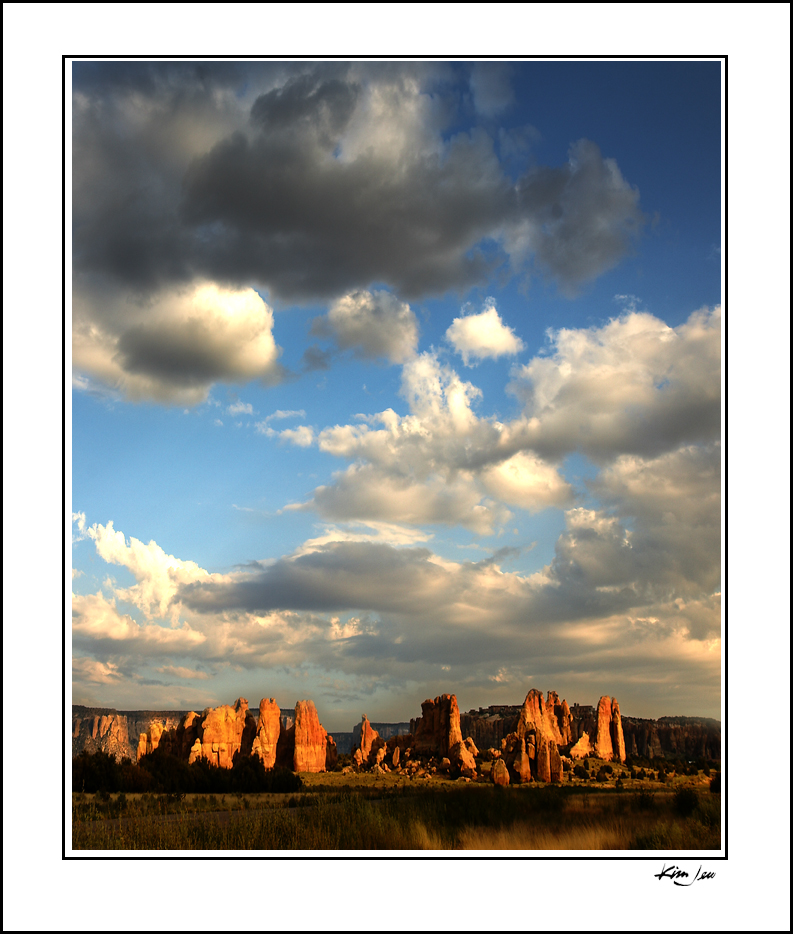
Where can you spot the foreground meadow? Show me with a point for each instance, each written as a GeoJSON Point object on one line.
{"type": "Point", "coordinates": [436, 815]}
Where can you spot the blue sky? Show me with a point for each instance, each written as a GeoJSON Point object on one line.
{"type": "Point", "coordinates": [392, 379]}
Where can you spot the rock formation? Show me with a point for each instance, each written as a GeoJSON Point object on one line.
{"type": "Point", "coordinates": [684, 737]}
{"type": "Point", "coordinates": [555, 764]}
{"type": "Point", "coordinates": [438, 727]}
{"type": "Point", "coordinates": [311, 739]}
{"type": "Point", "coordinates": [522, 763]}
{"type": "Point", "coordinates": [105, 731]}
{"type": "Point", "coordinates": [604, 748]}
{"type": "Point", "coordinates": [617, 738]}
{"type": "Point", "coordinates": [268, 730]}
{"type": "Point", "coordinates": [331, 755]}
{"type": "Point", "coordinates": [221, 735]}
{"type": "Point", "coordinates": [578, 731]}
{"type": "Point", "coordinates": [582, 748]}
{"type": "Point", "coordinates": [499, 774]}
{"type": "Point", "coordinates": [372, 747]}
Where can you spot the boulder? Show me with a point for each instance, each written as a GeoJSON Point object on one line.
{"type": "Point", "coordinates": [395, 757]}
{"type": "Point", "coordinates": [461, 756]}
{"type": "Point", "coordinates": [499, 774]}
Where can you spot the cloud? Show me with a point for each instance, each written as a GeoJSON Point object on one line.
{"type": "Point", "coordinates": [158, 574]}
{"type": "Point", "coordinates": [382, 532]}
{"type": "Point", "coordinates": [368, 493]}
{"type": "Point", "coordinates": [184, 673]}
{"type": "Point", "coordinates": [97, 622]}
{"type": "Point", "coordinates": [171, 348]}
{"type": "Point", "coordinates": [491, 88]}
{"type": "Point", "coordinates": [240, 408]}
{"type": "Point", "coordinates": [284, 413]}
{"type": "Point", "coordinates": [368, 609]}
{"type": "Point", "coordinates": [95, 672]}
{"type": "Point", "coordinates": [525, 480]}
{"type": "Point", "coordinates": [373, 324]}
{"type": "Point", "coordinates": [634, 385]}
{"type": "Point", "coordinates": [483, 335]}
{"type": "Point", "coordinates": [302, 436]}
{"type": "Point", "coordinates": [577, 220]}
{"type": "Point", "coordinates": [313, 180]}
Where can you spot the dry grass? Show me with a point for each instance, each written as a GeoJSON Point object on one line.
{"type": "Point", "coordinates": [525, 835]}
{"type": "Point", "coordinates": [420, 816]}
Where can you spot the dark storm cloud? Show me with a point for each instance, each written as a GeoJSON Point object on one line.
{"type": "Point", "coordinates": [313, 180]}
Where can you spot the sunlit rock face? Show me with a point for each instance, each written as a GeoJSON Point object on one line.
{"type": "Point", "coordinates": [366, 752]}
{"type": "Point", "coordinates": [437, 730]}
{"type": "Point", "coordinates": [268, 730]}
{"type": "Point", "coordinates": [604, 748]}
{"type": "Point", "coordinates": [311, 739]}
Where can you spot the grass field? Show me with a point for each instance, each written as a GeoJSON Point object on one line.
{"type": "Point", "coordinates": [389, 812]}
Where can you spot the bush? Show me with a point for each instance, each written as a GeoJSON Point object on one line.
{"type": "Point", "coordinates": [602, 775]}
{"type": "Point", "coordinates": [95, 773]}
{"type": "Point", "coordinates": [580, 772]}
{"type": "Point", "coordinates": [715, 784]}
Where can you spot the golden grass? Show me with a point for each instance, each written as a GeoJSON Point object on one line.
{"type": "Point", "coordinates": [437, 816]}
{"type": "Point", "coordinates": [524, 835]}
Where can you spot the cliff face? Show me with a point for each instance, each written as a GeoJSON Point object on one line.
{"type": "Point", "coordinates": [116, 732]}
{"type": "Point", "coordinates": [686, 737]}
{"type": "Point", "coordinates": [107, 731]}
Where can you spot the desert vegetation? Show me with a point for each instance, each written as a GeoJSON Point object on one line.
{"type": "Point", "coordinates": [253, 809]}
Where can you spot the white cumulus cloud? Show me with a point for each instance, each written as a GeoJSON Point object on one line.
{"type": "Point", "coordinates": [483, 335]}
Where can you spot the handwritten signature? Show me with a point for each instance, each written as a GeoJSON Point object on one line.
{"type": "Point", "coordinates": [674, 873]}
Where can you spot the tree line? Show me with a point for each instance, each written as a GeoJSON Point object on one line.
{"type": "Point", "coordinates": [161, 773]}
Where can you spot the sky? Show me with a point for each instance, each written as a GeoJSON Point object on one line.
{"type": "Point", "coordinates": [392, 379]}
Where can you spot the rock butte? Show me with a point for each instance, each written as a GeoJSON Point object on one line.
{"type": "Point", "coordinates": [529, 740]}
